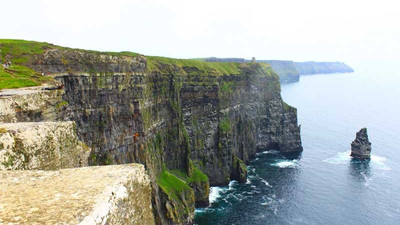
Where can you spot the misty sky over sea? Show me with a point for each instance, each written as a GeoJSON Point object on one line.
{"type": "Point", "coordinates": [339, 30]}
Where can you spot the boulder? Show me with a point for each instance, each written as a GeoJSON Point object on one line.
{"type": "Point", "coordinates": [361, 147]}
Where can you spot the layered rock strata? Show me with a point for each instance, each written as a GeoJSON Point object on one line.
{"type": "Point", "coordinates": [41, 145]}
{"type": "Point", "coordinates": [191, 125]}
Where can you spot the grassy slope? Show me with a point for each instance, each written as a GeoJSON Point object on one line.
{"type": "Point", "coordinates": [19, 52]}
{"type": "Point", "coordinates": [171, 185]}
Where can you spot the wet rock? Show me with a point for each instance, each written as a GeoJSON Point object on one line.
{"type": "Point", "coordinates": [361, 147]}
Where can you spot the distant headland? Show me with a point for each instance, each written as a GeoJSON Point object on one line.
{"type": "Point", "coordinates": [290, 71]}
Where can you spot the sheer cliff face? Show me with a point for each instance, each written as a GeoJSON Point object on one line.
{"type": "Point", "coordinates": [192, 122]}
{"type": "Point", "coordinates": [180, 122]}
{"type": "Point", "coordinates": [221, 117]}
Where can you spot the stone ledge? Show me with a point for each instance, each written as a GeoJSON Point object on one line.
{"type": "Point", "coordinates": [117, 194]}
{"type": "Point", "coordinates": [30, 105]}
{"type": "Point", "coordinates": [41, 145]}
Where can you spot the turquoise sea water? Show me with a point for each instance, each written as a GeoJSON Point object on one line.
{"type": "Point", "coordinates": [324, 185]}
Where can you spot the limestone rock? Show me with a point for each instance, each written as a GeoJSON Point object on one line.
{"type": "Point", "coordinates": [361, 147]}
{"type": "Point", "coordinates": [41, 145]}
{"type": "Point", "coordinates": [30, 105]}
{"type": "Point", "coordinates": [118, 194]}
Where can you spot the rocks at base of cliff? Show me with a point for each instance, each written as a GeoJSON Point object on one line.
{"type": "Point", "coordinates": [361, 147]}
{"type": "Point", "coordinates": [239, 170]}
{"type": "Point", "coordinates": [118, 194]}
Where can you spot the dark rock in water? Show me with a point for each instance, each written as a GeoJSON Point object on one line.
{"type": "Point", "coordinates": [361, 147]}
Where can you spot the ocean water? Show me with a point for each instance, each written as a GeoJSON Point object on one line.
{"type": "Point", "coordinates": [324, 185]}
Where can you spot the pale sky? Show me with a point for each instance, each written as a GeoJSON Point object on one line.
{"type": "Point", "coordinates": [300, 30]}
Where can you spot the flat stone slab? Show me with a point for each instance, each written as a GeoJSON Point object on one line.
{"type": "Point", "coordinates": [20, 91]}
{"type": "Point", "coordinates": [117, 194]}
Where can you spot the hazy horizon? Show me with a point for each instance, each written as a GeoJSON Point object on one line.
{"type": "Point", "coordinates": [310, 30]}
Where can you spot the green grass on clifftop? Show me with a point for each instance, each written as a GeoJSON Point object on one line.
{"type": "Point", "coordinates": [165, 65]}
{"type": "Point", "coordinates": [21, 50]}
{"type": "Point", "coordinates": [20, 76]}
{"type": "Point", "coordinates": [197, 176]}
{"type": "Point", "coordinates": [21, 54]}
{"type": "Point", "coordinates": [171, 185]}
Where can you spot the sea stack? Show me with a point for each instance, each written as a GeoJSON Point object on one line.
{"type": "Point", "coordinates": [361, 147]}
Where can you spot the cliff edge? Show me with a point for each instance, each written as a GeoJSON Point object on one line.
{"type": "Point", "coordinates": [192, 124]}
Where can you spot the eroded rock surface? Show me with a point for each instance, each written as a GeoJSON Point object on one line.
{"type": "Point", "coordinates": [41, 145]}
{"type": "Point", "coordinates": [118, 194]}
{"type": "Point", "coordinates": [30, 105]}
{"type": "Point", "coordinates": [361, 147]}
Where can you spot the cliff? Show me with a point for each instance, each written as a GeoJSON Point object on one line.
{"type": "Point", "coordinates": [289, 71]}
{"type": "Point", "coordinates": [192, 124]}
{"type": "Point", "coordinates": [305, 68]}
{"type": "Point", "coordinates": [285, 69]}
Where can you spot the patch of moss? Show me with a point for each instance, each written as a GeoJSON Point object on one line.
{"type": "Point", "coordinates": [197, 176]}
{"type": "Point", "coordinates": [84, 146]}
{"type": "Point", "coordinates": [171, 185]}
{"type": "Point", "coordinates": [226, 87]}
{"type": "Point", "coordinates": [239, 169]}
{"type": "Point", "coordinates": [286, 107]}
{"type": "Point", "coordinates": [61, 104]}
{"type": "Point", "coordinates": [225, 125]}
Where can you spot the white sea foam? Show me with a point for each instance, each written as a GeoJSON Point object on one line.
{"type": "Point", "coordinates": [286, 163]}
{"type": "Point", "coordinates": [344, 157]}
{"type": "Point", "coordinates": [215, 193]}
{"type": "Point", "coordinates": [232, 184]}
{"type": "Point", "coordinates": [266, 183]}
{"type": "Point", "coordinates": [380, 162]}
{"type": "Point", "coordinates": [199, 210]}
{"type": "Point", "coordinates": [255, 159]}
{"type": "Point", "coordinates": [340, 158]}
{"type": "Point", "coordinates": [268, 152]}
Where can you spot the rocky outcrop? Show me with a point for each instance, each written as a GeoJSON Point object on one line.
{"type": "Point", "coordinates": [307, 68]}
{"type": "Point", "coordinates": [361, 147]}
{"type": "Point", "coordinates": [41, 145]}
{"type": "Point", "coordinates": [118, 194]}
{"type": "Point", "coordinates": [30, 105]}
